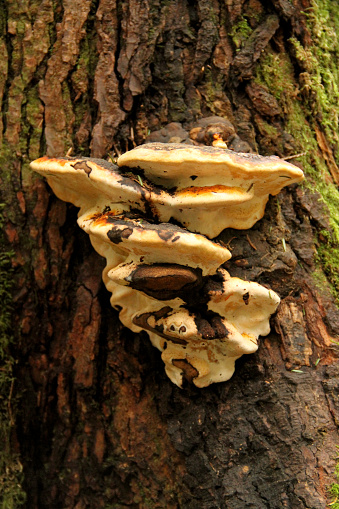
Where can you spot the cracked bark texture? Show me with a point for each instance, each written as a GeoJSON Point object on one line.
{"type": "Point", "coordinates": [98, 424]}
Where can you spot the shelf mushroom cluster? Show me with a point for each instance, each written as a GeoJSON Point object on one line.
{"type": "Point", "coordinates": [154, 216]}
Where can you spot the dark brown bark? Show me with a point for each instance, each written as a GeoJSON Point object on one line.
{"type": "Point", "coordinates": [98, 424]}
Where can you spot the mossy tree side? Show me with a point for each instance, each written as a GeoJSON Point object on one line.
{"type": "Point", "coordinates": [89, 418]}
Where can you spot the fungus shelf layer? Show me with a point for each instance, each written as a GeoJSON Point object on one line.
{"type": "Point", "coordinates": [225, 188]}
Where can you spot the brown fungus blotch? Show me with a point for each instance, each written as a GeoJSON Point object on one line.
{"type": "Point", "coordinates": [82, 166]}
{"type": "Point", "coordinates": [189, 372]}
{"type": "Point", "coordinates": [167, 279]}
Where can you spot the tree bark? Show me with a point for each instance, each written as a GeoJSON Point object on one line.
{"type": "Point", "coordinates": [88, 413]}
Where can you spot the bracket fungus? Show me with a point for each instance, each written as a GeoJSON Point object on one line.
{"type": "Point", "coordinates": [167, 279]}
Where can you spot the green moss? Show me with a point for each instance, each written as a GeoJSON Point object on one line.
{"type": "Point", "coordinates": [276, 72]}
{"type": "Point", "coordinates": [334, 488]}
{"type": "Point", "coordinates": [212, 88]}
{"type": "Point", "coordinates": [240, 32]}
{"type": "Point", "coordinates": [269, 129]}
{"type": "Point", "coordinates": [328, 256]}
{"type": "Point", "coordinates": [11, 492]}
{"type": "Point", "coordinates": [312, 105]}
{"type": "Point", "coordinates": [321, 62]}
{"type": "Point", "coordinates": [270, 136]}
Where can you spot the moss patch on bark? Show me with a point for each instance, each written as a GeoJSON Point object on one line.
{"type": "Point", "coordinates": [311, 113]}
{"type": "Point", "coordinates": [11, 492]}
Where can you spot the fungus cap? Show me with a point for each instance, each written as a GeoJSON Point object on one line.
{"type": "Point", "coordinates": [179, 165]}
{"type": "Point", "coordinates": [89, 183]}
{"type": "Point", "coordinates": [146, 243]}
{"type": "Point", "coordinates": [225, 189]}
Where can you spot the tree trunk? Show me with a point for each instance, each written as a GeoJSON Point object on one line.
{"type": "Point", "coordinates": [88, 416]}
